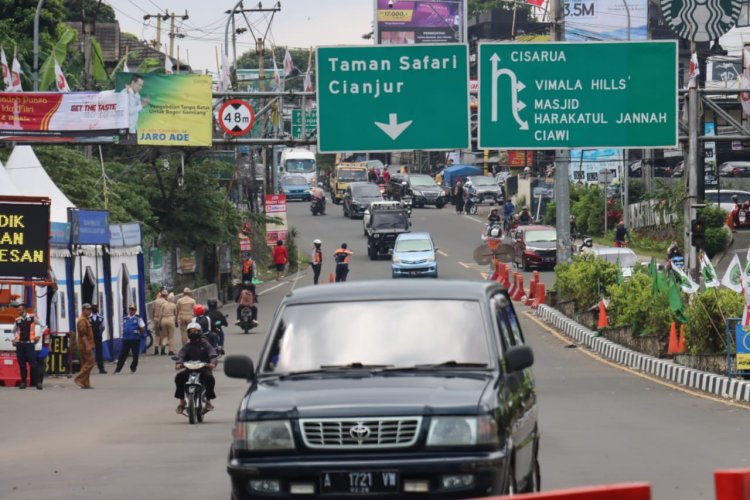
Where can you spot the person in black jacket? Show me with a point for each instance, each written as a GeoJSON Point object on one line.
{"type": "Point", "coordinates": [197, 349]}
{"type": "Point", "coordinates": [218, 320]}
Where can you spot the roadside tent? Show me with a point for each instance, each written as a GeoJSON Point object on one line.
{"type": "Point", "coordinates": [451, 173]}
{"type": "Point", "coordinates": [7, 188]}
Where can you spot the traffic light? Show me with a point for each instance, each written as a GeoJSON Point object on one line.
{"type": "Point", "coordinates": [697, 227]}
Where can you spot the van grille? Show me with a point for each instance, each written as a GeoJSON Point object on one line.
{"type": "Point", "coordinates": [353, 433]}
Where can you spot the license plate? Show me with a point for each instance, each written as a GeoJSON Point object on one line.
{"type": "Point", "coordinates": [359, 482]}
{"type": "Point", "coordinates": [549, 259]}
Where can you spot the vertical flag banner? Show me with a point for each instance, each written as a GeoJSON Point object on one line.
{"type": "Point", "coordinates": [708, 272]}
{"type": "Point", "coordinates": [276, 76]}
{"type": "Point", "coordinates": [167, 110]}
{"type": "Point", "coordinates": [694, 71]}
{"type": "Point", "coordinates": [6, 69]}
{"type": "Point", "coordinates": [168, 67]}
{"type": "Point", "coordinates": [733, 276]}
{"type": "Point", "coordinates": [15, 77]}
{"type": "Point", "coordinates": [226, 79]}
{"type": "Point", "coordinates": [60, 81]}
{"type": "Point", "coordinates": [288, 64]}
{"type": "Point", "coordinates": [684, 281]}
{"type": "Point", "coordinates": [275, 205]}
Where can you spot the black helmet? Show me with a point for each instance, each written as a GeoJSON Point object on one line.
{"type": "Point", "coordinates": [212, 304]}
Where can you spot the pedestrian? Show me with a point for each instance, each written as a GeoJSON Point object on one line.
{"type": "Point", "coordinates": [97, 326]}
{"type": "Point", "coordinates": [341, 256]}
{"type": "Point", "coordinates": [185, 305]}
{"type": "Point", "coordinates": [620, 233]}
{"type": "Point", "coordinates": [386, 174]}
{"type": "Point", "coordinates": [317, 260]}
{"type": "Point", "coordinates": [161, 299]}
{"type": "Point", "coordinates": [24, 342]}
{"type": "Point", "coordinates": [280, 258]}
{"type": "Point", "coordinates": [85, 347]}
{"type": "Point", "coordinates": [132, 332]}
{"type": "Point", "coordinates": [167, 323]}
{"type": "Point", "coordinates": [735, 213]}
{"type": "Point", "coordinates": [458, 195]}
{"type": "Point", "coordinates": [247, 269]}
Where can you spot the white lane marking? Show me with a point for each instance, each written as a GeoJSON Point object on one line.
{"type": "Point", "coordinates": [440, 252]}
{"type": "Point", "coordinates": [471, 217]}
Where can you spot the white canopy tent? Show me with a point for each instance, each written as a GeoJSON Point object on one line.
{"type": "Point", "coordinates": [7, 188]}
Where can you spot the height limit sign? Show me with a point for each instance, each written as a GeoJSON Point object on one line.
{"type": "Point", "coordinates": [236, 117]}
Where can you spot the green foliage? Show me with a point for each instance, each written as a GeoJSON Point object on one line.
{"type": "Point", "coordinates": [715, 235]}
{"type": "Point", "coordinates": [59, 51]}
{"type": "Point", "coordinates": [589, 210]}
{"type": "Point", "coordinates": [291, 248]}
{"type": "Point", "coordinates": [584, 279]}
{"type": "Point", "coordinates": [300, 57]}
{"type": "Point", "coordinates": [636, 190]}
{"type": "Point", "coordinates": [705, 332]}
{"type": "Point", "coordinates": [92, 9]}
{"type": "Point", "coordinates": [713, 216]}
{"type": "Point", "coordinates": [634, 304]}
{"type": "Point", "coordinates": [520, 202]}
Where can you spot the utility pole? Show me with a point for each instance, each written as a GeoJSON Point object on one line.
{"type": "Point", "coordinates": [562, 160]}
{"type": "Point", "coordinates": [172, 33]}
{"type": "Point", "coordinates": [156, 43]}
{"type": "Point", "coordinates": [691, 173]}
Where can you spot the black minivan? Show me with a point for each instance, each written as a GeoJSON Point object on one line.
{"type": "Point", "coordinates": [393, 389]}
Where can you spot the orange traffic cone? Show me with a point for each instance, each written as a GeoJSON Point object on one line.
{"type": "Point", "coordinates": [681, 340]}
{"type": "Point", "coordinates": [673, 344]}
{"type": "Point", "coordinates": [518, 291]}
{"type": "Point", "coordinates": [603, 323]}
{"type": "Point", "coordinates": [331, 278]}
{"type": "Point", "coordinates": [539, 293]}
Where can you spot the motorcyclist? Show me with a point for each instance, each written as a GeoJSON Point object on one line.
{"type": "Point", "coordinates": [319, 196]}
{"type": "Point", "coordinates": [493, 220]}
{"type": "Point", "coordinates": [525, 217]}
{"type": "Point", "coordinates": [673, 251]}
{"type": "Point", "coordinates": [205, 323]}
{"type": "Point", "coordinates": [197, 349]}
{"type": "Point", "coordinates": [573, 226]}
{"type": "Point", "coordinates": [247, 298]}
{"type": "Point", "coordinates": [218, 320]}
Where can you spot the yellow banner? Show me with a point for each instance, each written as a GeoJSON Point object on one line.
{"type": "Point", "coordinates": [743, 361]}
{"type": "Point", "coordinates": [400, 15]}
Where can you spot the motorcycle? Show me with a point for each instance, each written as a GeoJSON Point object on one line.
{"type": "Point", "coordinates": [318, 206]}
{"type": "Point", "coordinates": [246, 319]}
{"type": "Point", "coordinates": [195, 393]}
{"type": "Point", "coordinates": [407, 203]}
{"type": "Point", "coordinates": [218, 338]}
{"type": "Point", "coordinates": [470, 206]}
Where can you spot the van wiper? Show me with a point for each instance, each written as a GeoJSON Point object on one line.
{"type": "Point", "coordinates": [353, 366]}
{"type": "Point", "coordinates": [432, 366]}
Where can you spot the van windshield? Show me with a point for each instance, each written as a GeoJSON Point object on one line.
{"type": "Point", "coordinates": [352, 175]}
{"type": "Point", "coordinates": [300, 166]}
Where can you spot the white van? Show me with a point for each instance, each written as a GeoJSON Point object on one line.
{"type": "Point", "coordinates": [299, 161]}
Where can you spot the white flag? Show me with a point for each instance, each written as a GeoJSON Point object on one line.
{"type": "Point", "coordinates": [288, 64]}
{"type": "Point", "coordinates": [694, 71]}
{"type": "Point", "coordinates": [125, 67]}
{"type": "Point", "coordinates": [733, 276]}
{"type": "Point", "coordinates": [168, 66]}
{"type": "Point", "coordinates": [708, 272]}
{"type": "Point", "coordinates": [6, 70]}
{"type": "Point", "coordinates": [276, 76]}
{"type": "Point", "coordinates": [686, 284]}
{"type": "Point", "coordinates": [60, 81]}
{"type": "Point", "coordinates": [15, 77]}
{"type": "Point", "coordinates": [226, 79]}
{"type": "Point", "coordinates": [745, 96]}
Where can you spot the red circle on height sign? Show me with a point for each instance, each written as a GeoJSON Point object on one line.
{"type": "Point", "coordinates": [236, 117]}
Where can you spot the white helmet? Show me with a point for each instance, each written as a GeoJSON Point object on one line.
{"type": "Point", "coordinates": [317, 242]}
{"type": "Point", "coordinates": [495, 232]}
{"type": "Point", "coordinates": [194, 326]}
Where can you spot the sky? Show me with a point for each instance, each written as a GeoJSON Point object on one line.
{"type": "Point", "coordinates": [299, 23]}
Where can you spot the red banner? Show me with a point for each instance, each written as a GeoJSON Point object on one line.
{"type": "Point", "coordinates": [520, 159]}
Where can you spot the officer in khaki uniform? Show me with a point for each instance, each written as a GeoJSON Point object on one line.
{"type": "Point", "coordinates": [161, 299]}
{"type": "Point", "coordinates": [185, 315]}
{"type": "Point", "coordinates": [85, 347]}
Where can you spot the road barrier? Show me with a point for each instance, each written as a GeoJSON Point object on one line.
{"type": "Point", "coordinates": [629, 491]}
{"type": "Point", "coordinates": [732, 484]}
{"type": "Point", "coordinates": [518, 291]}
{"type": "Point", "coordinates": [540, 293]}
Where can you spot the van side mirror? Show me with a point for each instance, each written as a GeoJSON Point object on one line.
{"type": "Point", "coordinates": [519, 358]}
{"type": "Point", "coordinates": [239, 366]}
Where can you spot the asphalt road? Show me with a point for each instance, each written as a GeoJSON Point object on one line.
{"type": "Point", "coordinates": [600, 424]}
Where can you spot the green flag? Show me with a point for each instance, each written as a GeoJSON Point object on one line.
{"type": "Point", "coordinates": [675, 302]}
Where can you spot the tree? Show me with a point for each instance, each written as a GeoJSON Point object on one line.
{"type": "Point", "coordinates": [299, 56]}
{"type": "Point", "coordinates": [95, 10]}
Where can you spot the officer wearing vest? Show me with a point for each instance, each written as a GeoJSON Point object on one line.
{"type": "Point", "coordinates": [24, 341]}
{"type": "Point", "coordinates": [97, 325]}
{"type": "Point", "coordinates": [341, 256]}
{"type": "Point", "coordinates": [317, 260]}
{"type": "Point", "coordinates": [247, 269]}
{"type": "Point", "coordinates": [132, 333]}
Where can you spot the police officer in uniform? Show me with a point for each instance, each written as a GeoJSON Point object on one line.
{"type": "Point", "coordinates": [97, 325]}
{"type": "Point", "coordinates": [132, 331]}
{"type": "Point", "coordinates": [85, 347]}
{"type": "Point", "coordinates": [341, 256]}
{"type": "Point", "coordinates": [24, 341]}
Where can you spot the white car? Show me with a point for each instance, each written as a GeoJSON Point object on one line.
{"type": "Point", "coordinates": [623, 257]}
{"type": "Point", "coordinates": [712, 195]}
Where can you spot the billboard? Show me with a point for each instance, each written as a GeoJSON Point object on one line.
{"type": "Point", "coordinates": [62, 117]}
{"type": "Point", "coordinates": [276, 208]}
{"type": "Point", "coordinates": [166, 110]}
{"type": "Point", "coordinates": [401, 22]}
{"type": "Point", "coordinates": [601, 20]}
{"type": "Point", "coordinates": [585, 164]}
{"type": "Point", "coordinates": [24, 240]}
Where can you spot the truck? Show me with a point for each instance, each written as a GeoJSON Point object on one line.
{"type": "Point", "coordinates": [299, 161]}
{"type": "Point", "coordinates": [384, 221]}
{"type": "Point", "coordinates": [343, 174]}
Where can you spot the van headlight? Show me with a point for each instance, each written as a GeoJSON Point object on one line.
{"type": "Point", "coordinates": [462, 431]}
{"type": "Point", "coordinates": [263, 435]}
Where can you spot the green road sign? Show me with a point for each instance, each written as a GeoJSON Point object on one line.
{"type": "Point", "coordinates": [311, 122]}
{"type": "Point", "coordinates": [393, 98]}
{"type": "Point", "coordinates": [578, 95]}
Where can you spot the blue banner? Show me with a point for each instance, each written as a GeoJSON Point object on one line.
{"type": "Point", "coordinates": [60, 233]}
{"type": "Point", "coordinates": [89, 227]}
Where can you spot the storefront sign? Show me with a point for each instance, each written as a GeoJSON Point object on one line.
{"type": "Point", "coordinates": [24, 240]}
{"type": "Point", "coordinates": [89, 227]}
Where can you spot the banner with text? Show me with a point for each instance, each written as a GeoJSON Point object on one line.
{"type": "Point", "coordinates": [166, 110]}
{"type": "Point", "coordinates": [55, 116]}
{"type": "Point", "coordinates": [24, 240]}
{"type": "Point", "coordinates": [587, 20]}
{"type": "Point", "coordinates": [276, 209]}
{"type": "Point", "coordinates": [403, 22]}
{"type": "Point", "coordinates": [89, 227]}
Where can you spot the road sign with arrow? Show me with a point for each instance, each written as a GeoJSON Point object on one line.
{"type": "Point", "coordinates": [393, 98]}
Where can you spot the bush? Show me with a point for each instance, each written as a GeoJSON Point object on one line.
{"type": "Point", "coordinates": [715, 240]}
{"type": "Point", "coordinates": [705, 332]}
{"type": "Point", "coordinates": [584, 279]}
{"type": "Point", "coordinates": [550, 216]}
{"type": "Point", "coordinates": [634, 304]}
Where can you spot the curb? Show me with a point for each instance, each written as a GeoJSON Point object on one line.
{"type": "Point", "coordinates": [718, 385]}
